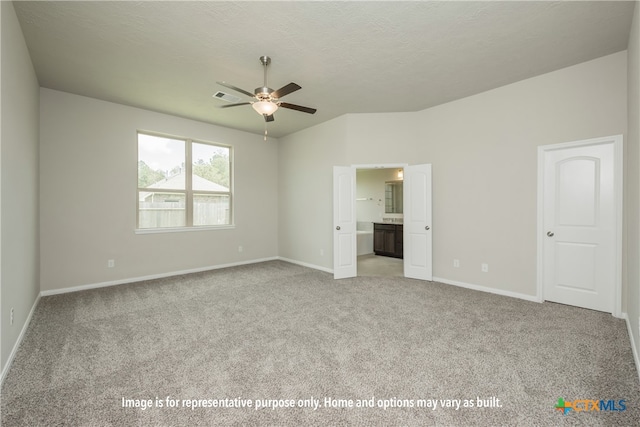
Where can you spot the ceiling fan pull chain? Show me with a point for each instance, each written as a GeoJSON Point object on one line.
{"type": "Point", "coordinates": [265, 131]}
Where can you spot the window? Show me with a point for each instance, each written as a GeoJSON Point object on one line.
{"type": "Point", "coordinates": [182, 183]}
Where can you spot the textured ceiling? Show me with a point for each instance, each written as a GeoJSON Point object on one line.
{"type": "Point", "coordinates": [349, 57]}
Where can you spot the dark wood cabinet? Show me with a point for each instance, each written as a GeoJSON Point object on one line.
{"type": "Point", "coordinates": [387, 239]}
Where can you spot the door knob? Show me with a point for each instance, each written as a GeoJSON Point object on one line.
{"type": "Point", "coordinates": [426, 228]}
{"type": "Point", "coordinates": [550, 233]}
{"type": "Point", "coordinates": [338, 228]}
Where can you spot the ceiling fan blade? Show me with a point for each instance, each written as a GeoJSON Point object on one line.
{"type": "Point", "coordinates": [268, 118]}
{"type": "Point", "coordinates": [286, 90]}
{"type": "Point", "coordinates": [237, 89]}
{"type": "Point", "coordinates": [297, 107]}
{"type": "Point", "coordinates": [235, 105]}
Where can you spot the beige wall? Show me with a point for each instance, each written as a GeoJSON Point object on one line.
{"type": "Point", "coordinates": [305, 181]}
{"type": "Point", "coordinates": [370, 184]}
{"type": "Point", "coordinates": [19, 280]}
{"type": "Point", "coordinates": [88, 172]}
{"type": "Point", "coordinates": [484, 155]}
{"type": "Point", "coordinates": [632, 182]}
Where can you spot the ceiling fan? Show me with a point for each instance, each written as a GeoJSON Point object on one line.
{"type": "Point", "coordinates": [267, 100]}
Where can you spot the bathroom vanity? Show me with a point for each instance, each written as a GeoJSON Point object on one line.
{"type": "Point", "coordinates": [387, 239]}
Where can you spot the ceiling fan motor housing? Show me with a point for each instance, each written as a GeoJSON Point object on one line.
{"type": "Point", "coordinates": [264, 93]}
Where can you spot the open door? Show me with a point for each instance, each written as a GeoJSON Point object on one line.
{"type": "Point", "coordinates": [418, 263]}
{"type": "Point", "coordinates": [345, 261]}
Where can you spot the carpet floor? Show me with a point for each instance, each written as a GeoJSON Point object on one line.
{"type": "Point", "coordinates": [313, 351]}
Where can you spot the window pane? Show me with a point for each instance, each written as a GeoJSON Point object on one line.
{"type": "Point", "coordinates": [161, 209]}
{"type": "Point", "coordinates": [210, 167]}
{"type": "Point", "coordinates": [210, 209]}
{"type": "Point", "coordinates": [160, 162]}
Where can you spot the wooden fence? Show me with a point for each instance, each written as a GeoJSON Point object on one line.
{"type": "Point", "coordinates": [173, 214]}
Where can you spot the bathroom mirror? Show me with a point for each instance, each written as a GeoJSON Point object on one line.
{"type": "Point", "coordinates": [393, 197]}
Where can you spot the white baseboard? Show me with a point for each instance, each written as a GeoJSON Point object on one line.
{"type": "Point", "coordinates": [625, 316]}
{"type": "Point", "coordinates": [7, 366]}
{"type": "Point", "coordinates": [305, 264]}
{"type": "Point", "coordinates": [151, 277]}
{"type": "Point", "coordinates": [502, 292]}
{"type": "Point", "coordinates": [526, 297]}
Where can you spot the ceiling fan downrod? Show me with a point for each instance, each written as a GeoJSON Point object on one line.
{"type": "Point", "coordinates": [264, 92]}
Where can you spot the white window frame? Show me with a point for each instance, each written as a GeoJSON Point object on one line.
{"type": "Point", "coordinates": [188, 191]}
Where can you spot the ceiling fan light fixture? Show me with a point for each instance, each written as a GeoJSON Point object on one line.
{"type": "Point", "coordinates": [265, 107]}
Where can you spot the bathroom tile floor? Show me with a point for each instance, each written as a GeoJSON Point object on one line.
{"type": "Point", "coordinates": [375, 265]}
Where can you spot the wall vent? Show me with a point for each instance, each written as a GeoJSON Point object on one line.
{"type": "Point", "coordinates": [227, 97]}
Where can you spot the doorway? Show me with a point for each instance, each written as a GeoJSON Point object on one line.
{"type": "Point", "coordinates": [580, 223]}
{"type": "Point", "coordinates": [416, 228]}
{"type": "Point", "coordinates": [379, 201]}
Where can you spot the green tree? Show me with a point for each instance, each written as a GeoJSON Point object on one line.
{"type": "Point", "coordinates": [215, 170]}
{"type": "Point", "coordinates": [147, 176]}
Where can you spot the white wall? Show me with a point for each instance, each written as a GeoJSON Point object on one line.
{"type": "Point", "coordinates": [484, 155]}
{"type": "Point", "coordinates": [632, 182]}
{"type": "Point", "coordinates": [88, 199]}
{"type": "Point", "coordinates": [19, 280]}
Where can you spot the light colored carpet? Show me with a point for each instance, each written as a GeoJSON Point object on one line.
{"type": "Point", "coordinates": [279, 331]}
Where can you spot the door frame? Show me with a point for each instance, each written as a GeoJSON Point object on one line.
{"type": "Point", "coordinates": [618, 165]}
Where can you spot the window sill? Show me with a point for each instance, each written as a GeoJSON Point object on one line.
{"type": "Point", "coordinates": [183, 229]}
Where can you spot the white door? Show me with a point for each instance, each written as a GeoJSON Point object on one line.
{"type": "Point", "coordinates": [345, 261]}
{"type": "Point", "coordinates": [579, 225]}
{"type": "Point", "coordinates": [417, 222]}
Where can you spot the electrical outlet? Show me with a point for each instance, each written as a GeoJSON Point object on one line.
{"type": "Point", "coordinates": [11, 319]}
{"type": "Point", "coordinates": [456, 263]}
{"type": "Point", "coordinates": [485, 268]}
{"type": "Point", "coordinates": [240, 249]}
{"type": "Point", "coordinates": [111, 263]}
